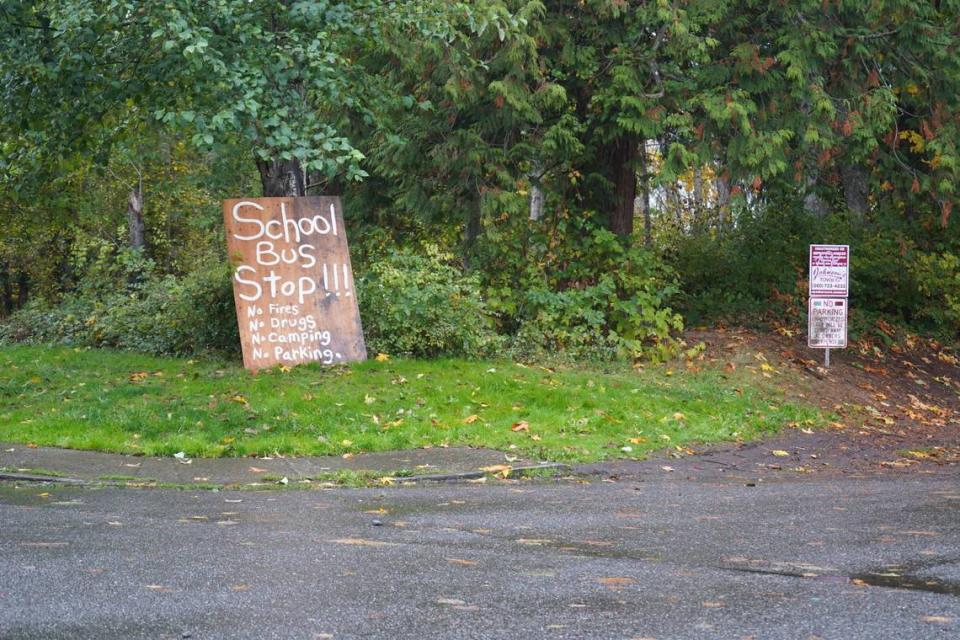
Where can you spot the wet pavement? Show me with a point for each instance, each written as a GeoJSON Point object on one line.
{"type": "Point", "coordinates": [644, 557]}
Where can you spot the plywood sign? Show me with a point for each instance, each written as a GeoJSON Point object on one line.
{"type": "Point", "coordinates": [293, 283]}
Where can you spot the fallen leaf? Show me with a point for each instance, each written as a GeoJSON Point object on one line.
{"type": "Point", "coordinates": [938, 619]}
{"type": "Point", "coordinates": [616, 581]}
{"type": "Point", "coordinates": [520, 426]}
{"type": "Point", "coordinates": [471, 419]}
{"type": "Point", "coordinates": [502, 470]}
{"type": "Point", "coordinates": [461, 562]}
{"type": "Point", "coordinates": [257, 470]}
{"type": "Point", "coordinates": [159, 588]}
{"type": "Point", "coordinates": [451, 601]}
{"type": "Point", "coordinates": [360, 542]}
{"type": "Point", "coordinates": [667, 469]}
{"type": "Point", "coordinates": [382, 357]}
{"type": "Point", "coordinates": [138, 376]}
{"type": "Point", "coordinates": [780, 453]}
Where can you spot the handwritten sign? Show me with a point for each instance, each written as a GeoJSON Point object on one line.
{"type": "Point", "coordinates": [827, 323]}
{"type": "Point", "coordinates": [829, 270]}
{"type": "Point", "coordinates": [293, 283]}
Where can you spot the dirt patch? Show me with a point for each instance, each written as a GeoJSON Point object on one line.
{"type": "Point", "coordinates": [893, 411]}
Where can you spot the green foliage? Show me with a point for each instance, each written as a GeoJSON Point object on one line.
{"type": "Point", "coordinates": [938, 279]}
{"type": "Point", "coordinates": [273, 75]}
{"type": "Point", "coordinates": [751, 273]}
{"type": "Point", "coordinates": [574, 287]}
{"type": "Point", "coordinates": [757, 271]}
{"type": "Point", "coordinates": [422, 306]}
{"type": "Point", "coordinates": [123, 304]}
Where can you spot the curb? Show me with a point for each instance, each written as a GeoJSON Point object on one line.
{"type": "Point", "coordinates": [29, 477]}
{"type": "Point", "coordinates": [474, 475]}
{"type": "Point", "coordinates": [436, 477]}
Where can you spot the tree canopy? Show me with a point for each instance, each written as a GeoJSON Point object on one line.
{"type": "Point", "coordinates": [527, 136]}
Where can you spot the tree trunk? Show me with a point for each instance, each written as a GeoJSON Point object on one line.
{"type": "Point", "coordinates": [699, 210]}
{"type": "Point", "coordinates": [855, 189]}
{"type": "Point", "coordinates": [536, 192]}
{"type": "Point", "coordinates": [281, 178]}
{"type": "Point", "coordinates": [471, 232]}
{"type": "Point", "coordinates": [722, 184]}
{"type": "Point", "coordinates": [23, 289]}
{"type": "Point", "coordinates": [645, 196]}
{"type": "Point", "coordinates": [622, 172]}
{"type": "Point", "coordinates": [812, 202]}
{"type": "Point", "coordinates": [6, 288]}
{"type": "Point", "coordinates": [135, 226]}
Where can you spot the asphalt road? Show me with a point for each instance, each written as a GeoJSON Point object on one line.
{"type": "Point", "coordinates": [805, 558]}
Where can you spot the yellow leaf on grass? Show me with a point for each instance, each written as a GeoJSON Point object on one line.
{"type": "Point", "coordinates": [523, 425]}
{"type": "Point", "coordinates": [471, 419]}
{"type": "Point", "coordinates": [382, 357]}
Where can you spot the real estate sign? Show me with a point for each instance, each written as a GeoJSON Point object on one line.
{"type": "Point", "coordinates": [293, 282]}
{"type": "Point", "coordinates": [829, 270]}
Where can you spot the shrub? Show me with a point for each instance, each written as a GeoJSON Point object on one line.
{"type": "Point", "coordinates": [161, 315]}
{"type": "Point", "coordinates": [420, 305]}
{"type": "Point", "coordinates": [568, 286]}
{"type": "Point", "coordinates": [938, 279]}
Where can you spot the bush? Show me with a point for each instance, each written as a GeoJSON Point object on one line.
{"type": "Point", "coordinates": [161, 315]}
{"type": "Point", "coordinates": [420, 305]}
{"type": "Point", "coordinates": [620, 313]}
{"type": "Point", "coordinates": [938, 279]}
{"type": "Point", "coordinates": [569, 286]}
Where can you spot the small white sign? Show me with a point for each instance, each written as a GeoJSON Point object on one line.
{"type": "Point", "coordinates": [829, 270]}
{"type": "Point", "coordinates": [827, 323]}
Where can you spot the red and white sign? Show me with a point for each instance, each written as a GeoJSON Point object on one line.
{"type": "Point", "coordinates": [827, 323]}
{"type": "Point", "coordinates": [829, 270]}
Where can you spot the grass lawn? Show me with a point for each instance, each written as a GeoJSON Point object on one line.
{"type": "Point", "coordinates": [124, 402]}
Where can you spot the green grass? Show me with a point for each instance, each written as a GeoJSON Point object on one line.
{"type": "Point", "coordinates": [124, 402]}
